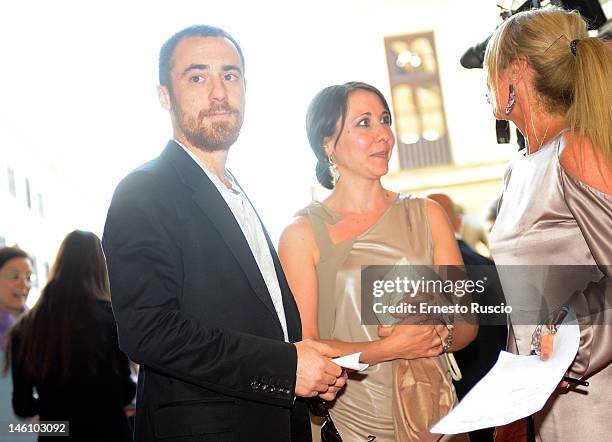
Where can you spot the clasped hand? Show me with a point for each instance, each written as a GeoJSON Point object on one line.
{"type": "Point", "coordinates": [316, 374]}
{"type": "Point", "coordinates": [413, 341]}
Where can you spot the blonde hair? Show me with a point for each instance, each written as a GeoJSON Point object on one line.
{"type": "Point", "coordinates": [575, 86]}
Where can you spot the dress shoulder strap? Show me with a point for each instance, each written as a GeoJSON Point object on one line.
{"type": "Point", "coordinates": [319, 217]}
{"type": "Point", "coordinates": [417, 221]}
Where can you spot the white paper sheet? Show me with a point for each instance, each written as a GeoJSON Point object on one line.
{"type": "Point", "coordinates": [350, 361]}
{"type": "Point", "coordinates": [516, 386]}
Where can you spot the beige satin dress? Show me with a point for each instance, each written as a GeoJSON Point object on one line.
{"type": "Point", "coordinates": [546, 217]}
{"type": "Point", "coordinates": [401, 235]}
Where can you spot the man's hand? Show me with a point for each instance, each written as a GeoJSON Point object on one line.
{"type": "Point", "coordinates": [413, 341]}
{"type": "Point", "coordinates": [316, 374]}
{"type": "Point", "coordinates": [333, 390]}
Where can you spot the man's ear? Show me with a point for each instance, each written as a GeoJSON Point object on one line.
{"type": "Point", "coordinates": [164, 97]}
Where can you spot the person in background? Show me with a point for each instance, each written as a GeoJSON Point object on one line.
{"type": "Point", "coordinates": [362, 223]}
{"type": "Point", "coordinates": [65, 349]}
{"type": "Point", "coordinates": [15, 284]}
{"type": "Point", "coordinates": [480, 355]}
{"type": "Point", "coordinates": [474, 232]}
{"type": "Point", "coordinates": [547, 76]}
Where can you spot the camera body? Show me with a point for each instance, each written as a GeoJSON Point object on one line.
{"type": "Point", "coordinates": [473, 58]}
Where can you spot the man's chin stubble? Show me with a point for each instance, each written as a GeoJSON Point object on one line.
{"type": "Point", "coordinates": [222, 139]}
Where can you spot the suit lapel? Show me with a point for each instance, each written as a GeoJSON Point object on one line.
{"type": "Point", "coordinates": [213, 206]}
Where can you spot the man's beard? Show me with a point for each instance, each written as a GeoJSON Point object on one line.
{"type": "Point", "coordinates": [208, 136]}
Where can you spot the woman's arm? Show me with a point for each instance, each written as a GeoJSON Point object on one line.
{"type": "Point", "coordinates": [299, 256]}
{"type": "Point", "coordinates": [586, 179]}
{"type": "Point", "coordinates": [446, 252]}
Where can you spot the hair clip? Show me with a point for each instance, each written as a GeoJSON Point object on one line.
{"type": "Point", "coordinates": [573, 45]}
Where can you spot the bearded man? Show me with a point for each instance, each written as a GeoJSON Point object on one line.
{"type": "Point", "coordinates": [199, 296]}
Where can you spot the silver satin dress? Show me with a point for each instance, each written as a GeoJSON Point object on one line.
{"type": "Point", "coordinates": [547, 217]}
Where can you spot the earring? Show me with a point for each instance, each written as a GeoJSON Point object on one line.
{"type": "Point", "coordinates": [511, 99]}
{"type": "Point", "coordinates": [333, 168]}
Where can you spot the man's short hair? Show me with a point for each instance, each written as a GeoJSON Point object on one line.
{"type": "Point", "coordinates": [167, 50]}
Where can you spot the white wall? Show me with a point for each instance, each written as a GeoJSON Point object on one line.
{"type": "Point", "coordinates": [38, 234]}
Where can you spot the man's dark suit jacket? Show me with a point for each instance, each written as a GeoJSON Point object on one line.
{"type": "Point", "coordinates": [193, 309]}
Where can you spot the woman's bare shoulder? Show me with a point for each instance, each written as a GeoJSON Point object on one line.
{"type": "Point", "coordinates": [582, 161]}
{"type": "Point", "coordinates": [298, 236]}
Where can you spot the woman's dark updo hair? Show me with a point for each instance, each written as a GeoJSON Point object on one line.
{"type": "Point", "coordinates": [324, 111]}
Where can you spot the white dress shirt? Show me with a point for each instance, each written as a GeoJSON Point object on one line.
{"type": "Point", "coordinates": [252, 229]}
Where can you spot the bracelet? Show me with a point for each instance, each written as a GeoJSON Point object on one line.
{"type": "Point", "coordinates": [448, 342]}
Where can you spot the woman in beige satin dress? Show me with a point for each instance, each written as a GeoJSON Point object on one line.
{"type": "Point", "coordinates": [362, 223]}
{"type": "Point", "coordinates": [554, 82]}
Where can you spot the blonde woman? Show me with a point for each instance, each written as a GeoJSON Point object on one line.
{"type": "Point", "coordinates": [546, 75]}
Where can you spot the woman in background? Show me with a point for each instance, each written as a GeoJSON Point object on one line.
{"type": "Point", "coordinates": [546, 75]}
{"type": "Point", "coordinates": [362, 223]}
{"type": "Point", "coordinates": [66, 348]}
{"type": "Point", "coordinates": [15, 285]}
